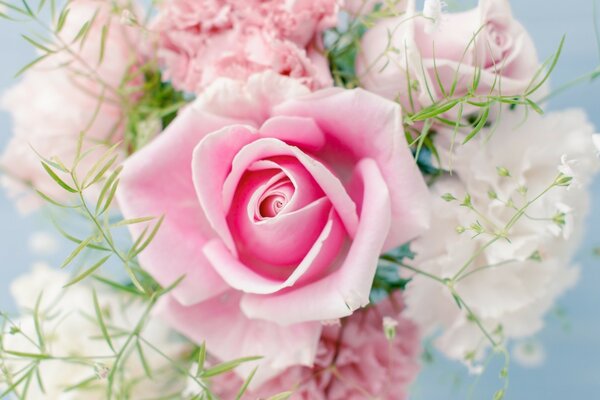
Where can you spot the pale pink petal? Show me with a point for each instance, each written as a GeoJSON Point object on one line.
{"type": "Point", "coordinates": [211, 166]}
{"type": "Point", "coordinates": [318, 258]}
{"type": "Point", "coordinates": [230, 335]}
{"type": "Point", "coordinates": [157, 181]}
{"type": "Point", "coordinates": [296, 131]}
{"type": "Point", "coordinates": [348, 288]}
{"type": "Point", "coordinates": [371, 127]}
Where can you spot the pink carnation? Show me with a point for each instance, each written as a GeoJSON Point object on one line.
{"type": "Point", "coordinates": [200, 40]}
{"type": "Point", "coordinates": [58, 99]}
{"type": "Point", "coordinates": [354, 361]}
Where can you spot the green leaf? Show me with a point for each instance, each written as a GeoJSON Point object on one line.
{"type": "Point", "coordinates": [480, 124]}
{"type": "Point", "coordinates": [201, 359]}
{"type": "Point", "coordinates": [552, 66]}
{"type": "Point", "coordinates": [100, 173]}
{"type": "Point", "coordinates": [12, 388]}
{"type": "Point", "coordinates": [29, 10]}
{"type": "Point", "coordinates": [62, 18]}
{"type": "Point", "coordinates": [172, 285]}
{"type": "Point", "coordinates": [133, 221]}
{"type": "Point", "coordinates": [27, 355]}
{"type": "Point", "coordinates": [434, 110]}
{"type": "Point", "coordinates": [51, 200]}
{"type": "Point", "coordinates": [75, 252]}
{"type": "Point", "coordinates": [281, 396]}
{"type": "Point", "coordinates": [82, 31]}
{"type": "Point", "coordinates": [31, 64]}
{"type": "Point", "coordinates": [535, 107]}
{"type": "Point", "coordinates": [87, 272]}
{"type": "Point", "coordinates": [135, 251]}
{"type": "Point", "coordinates": [103, 36]}
{"type": "Point", "coordinates": [14, 8]}
{"type": "Point", "coordinates": [100, 167]}
{"type": "Point", "coordinates": [227, 366]}
{"type": "Point", "coordinates": [140, 351]}
{"type": "Point", "coordinates": [100, 319]}
{"type": "Point", "coordinates": [82, 384]}
{"type": "Point", "coordinates": [76, 240]}
{"type": "Point", "coordinates": [116, 285]}
{"type": "Point", "coordinates": [246, 383]}
{"type": "Point", "coordinates": [41, 5]}
{"type": "Point", "coordinates": [37, 323]}
{"type": "Point", "coordinates": [37, 44]}
{"type": "Point", "coordinates": [106, 188]}
{"type": "Point", "coordinates": [57, 179]}
{"type": "Point", "coordinates": [134, 279]}
{"type": "Point", "coordinates": [111, 196]}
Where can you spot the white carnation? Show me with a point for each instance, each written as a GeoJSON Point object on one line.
{"type": "Point", "coordinates": [501, 170]}
{"type": "Point", "coordinates": [70, 330]}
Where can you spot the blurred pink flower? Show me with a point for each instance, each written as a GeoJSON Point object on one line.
{"type": "Point", "coordinates": [417, 59]}
{"type": "Point", "coordinates": [63, 96]}
{"type": "Point", "coordinates": [355, 361]}
{"type": "Point", "coordinates": [200, 40]}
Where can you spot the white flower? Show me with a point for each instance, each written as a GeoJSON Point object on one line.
{"type": "Point", "coordinates": [511, 285]}
{"type": "Point", "coordinates": [433, 10]}
{"type": "Point", "coordinates": [67, 318]}
{"type": "Point", "coordinates": [596, 140]}
{"type": "Point", "coordinates": [43, 243]}
{"type": "Point", "coordinates": [529, 353]}
{"type": "Point", "coordinates": [127, 18]}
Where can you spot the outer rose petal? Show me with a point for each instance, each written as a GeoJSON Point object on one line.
{"type": "Point", "coordinates": [371, 127]}
{"type": "Point", "coordinates": [230, 335]}
{"type": "Point", "coordinates": [348, 288]}
{"type": "Point", "coordinates": [157, 181]}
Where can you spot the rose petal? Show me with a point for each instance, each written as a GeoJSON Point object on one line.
{"type": "Point", "coordinates": [157, 180]}
{"type": "Point", "coordinates": [230, 335]}
{"type": "Point", "coordinates": [211, 163]}
{"type": "Point", "coordinates": [371, 127]}
{"type": "Point", "coordinates": [320, 256]}
{"type": "Point", "coordinates": [296, 131]}
{"type": "Point", "coordinates": [348, 288]}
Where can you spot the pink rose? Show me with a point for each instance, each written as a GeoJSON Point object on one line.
{"type": "Point", "coordinates": [502, 52]}
{"type": "Point", "coordinates": [54, 103]}
{"type": "Point", "coordinates": [277, 206]}
{"type": "Point", "coordinates": [355, 361]}
{"type": "Point", "coordinates": [201, 40]}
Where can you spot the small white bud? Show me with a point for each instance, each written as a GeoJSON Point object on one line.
{"type": "Point", "coordinates": [101, 370]}
{"type": "Point", "coordinates": [389, 327]}
{"type": "Point", "coordinates": [127, 18]}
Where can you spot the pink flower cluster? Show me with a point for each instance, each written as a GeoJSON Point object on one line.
{"type": "Point", "coordinates": [355, 361]}
{"type": "Point", "coordinates": [65, 95]}
{"type": "Point", "coordinates": [200, 40]}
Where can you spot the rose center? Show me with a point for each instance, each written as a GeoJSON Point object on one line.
{"type": "Point", "coordinates": [272, 205]}
{"type": "Point", "coordinates": [274, 199]}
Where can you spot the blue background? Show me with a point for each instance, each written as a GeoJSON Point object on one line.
{"type": "Point", "coordinates": [572, 367]}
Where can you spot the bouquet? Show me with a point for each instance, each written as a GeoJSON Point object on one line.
{"type": "Point", "coordinates": [271, 199]}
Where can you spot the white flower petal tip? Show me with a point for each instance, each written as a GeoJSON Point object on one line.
{"type": "Point", "coordinates": [529, 353]}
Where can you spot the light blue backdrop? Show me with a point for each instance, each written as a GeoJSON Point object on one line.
{"type": "Point", "coordinates": [572, 368]}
